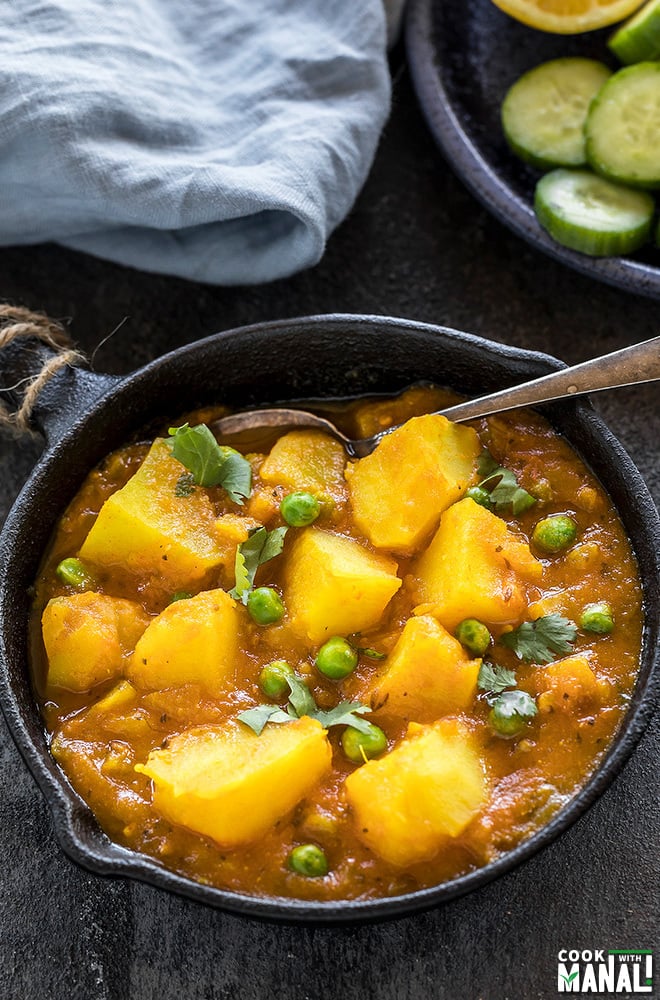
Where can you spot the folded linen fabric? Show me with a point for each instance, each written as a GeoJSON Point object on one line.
{"type": "Point", "coordinates": [219, 140]}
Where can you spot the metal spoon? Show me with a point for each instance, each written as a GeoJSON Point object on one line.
{"type": "Point", "coordinates": [639, 363]}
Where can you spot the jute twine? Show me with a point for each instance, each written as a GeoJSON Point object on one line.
{"type": "Point", "coordinates": [17, 322]}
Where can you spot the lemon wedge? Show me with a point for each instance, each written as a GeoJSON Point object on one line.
{"type": "Point", "coordinates": [568, 17]}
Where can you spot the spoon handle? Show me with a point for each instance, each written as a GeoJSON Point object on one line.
{"type": "Point", "coordinates": [638, 363]}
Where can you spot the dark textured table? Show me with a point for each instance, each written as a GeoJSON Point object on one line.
{"type": "Point", "coordinates": [416, 245]}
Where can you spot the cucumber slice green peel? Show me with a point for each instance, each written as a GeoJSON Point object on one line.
{"type": "Point", "coordinates": [638, 39]}
{"type": "Point", "coordinates": [544, 112]}
{"type": "Point", "coordinates": [623, 127]}
{"type": "Point", "coordinates": [592, 215]}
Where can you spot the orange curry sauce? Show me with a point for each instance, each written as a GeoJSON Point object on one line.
{"type": "Point", "coordinates": [529, 777]}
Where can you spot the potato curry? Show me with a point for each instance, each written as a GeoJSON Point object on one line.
{"type": "Point", "coordinates": [288, 673]}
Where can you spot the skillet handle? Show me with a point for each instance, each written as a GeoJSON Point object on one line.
{"type": "Point", "coordinates": [42, 386]}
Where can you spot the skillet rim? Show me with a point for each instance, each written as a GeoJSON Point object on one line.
{"type": "Point", "coordinates": [76, 829]}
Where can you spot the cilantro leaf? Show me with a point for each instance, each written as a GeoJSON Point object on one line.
{"type": "Point", "coordinates": [273, 545]}
{"type": "Point", "coordinates": [540, 641]}
{"type": "Point", "coordinates": [198, 450]}
{"type": "Point", "coordinates": [494, 679]}
{"type": "Point", "coordinates": [235, 475]}
{"type": "Point", "coordinates": [510, 712]}
{"type": "Point", "coordinates": [502, 485]}
{"type": "Point", "coordinates": [260, 547]}
{"type": "Point", "coordinates": [256, 718]}
{"type": "Point", "coordinates": [344, 714]}
{"type": "Point", "coordinates": [301, 702]}
{"type": "Point", "coordinates": [211, 464]}
{"type": "Point", "coordinates": [486, 464]}
{"type": "Point", "coordinates": [505, 491]}
{"type": "Point", "coordinates": [301, 698]}
{"type": "Point", "coordinates": [243, 584]}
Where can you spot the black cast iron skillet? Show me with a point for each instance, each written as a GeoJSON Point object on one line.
{"type": "Point", "coordinates": [84, 416]}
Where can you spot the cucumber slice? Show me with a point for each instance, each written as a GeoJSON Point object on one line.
{"type": "Point", "coordinates": [638, 39]}
{"type": "Point", "coordinates": [587, 213]}
{"type": "Point", "coordinates": [544, 112]}
{"type": "Point", "coordinates": [623, 127]}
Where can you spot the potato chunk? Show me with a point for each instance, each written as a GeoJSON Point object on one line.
{"type": "Point", "coordinates": [427, 674]}
{"type": "Point", "coordinates": [475, 567]}
{"type": "Point", "coordinates": [427, 789]}
{"type": "Point", "coordinates": [149, 531]}
{"type": "Point", "coordinates": [399, 491]}
{"type": "Point", "coordinates": [88, 637]}
{"type": "Point", "coordinates": [307, 460]}
{"type": "Point", "coordinates": [121, 696]}
{"type": "Point", "coordinates": [334, 586]}
{"type": "Point", "coordinates": [569, 685]}
{"type": "Point", "coordinates": [233, 786]}
{"type": "Point", "coordinates": [373, 415]}
{"type": "Point", "coordinates": [193, 641]}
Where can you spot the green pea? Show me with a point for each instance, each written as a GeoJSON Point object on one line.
{"type": "Point", "coordinates": [510, 712]}
{"type": "Point", "coordinates": [309, 860]}
{"type": "Point", "coordinates": [597, 618]}
{"type": "Point", "coordinates": [74, 574]}
{"type": "Point", "coordinates": [265, 606]}
{"type": "Point", "coordinates": [359, 747]}
{"type": "Point", "coordinates": [180, 595]}
{"type": "Point", "coordinates": [474, 636]}
{"type": "Point", "coordinates": [299, 509]}
{"type": "Point", "coordinates": [273, 679]}
{"type": "Point", "coordinates": [336, 658]}
{"type": "Point", "coordinates": [554, 533]}
{"type": "Point", "coordinates": [480, 496]}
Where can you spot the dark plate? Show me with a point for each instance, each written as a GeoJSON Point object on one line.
{"type": "Point", "coordinates": [463, 57]}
